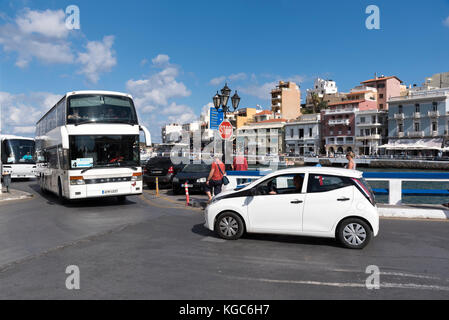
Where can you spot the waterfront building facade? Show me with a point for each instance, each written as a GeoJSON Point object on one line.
{"type": "Point", "coordinates": [418, 122]}
{"type": "Point", "coordinates": [338, 125]}
{"type": "Point", "coordinates": [371, 129]}
{"type": "Point", "coordinates": [171, 133]}
{"type": "Point", "coordinates": [303, 136]}
{"type": "Point", "coordinates": [261, 136]}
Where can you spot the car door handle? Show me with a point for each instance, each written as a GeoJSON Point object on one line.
{"type": "Point", "coordinates": [296, 201]}
{"type": "Point", "coordinates": [343, 199]}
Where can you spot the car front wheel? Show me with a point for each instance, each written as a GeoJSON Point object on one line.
{"type": "Point", "coordinates": [229, 226]}
{"type": "Point", "coordinates": [354, 233]}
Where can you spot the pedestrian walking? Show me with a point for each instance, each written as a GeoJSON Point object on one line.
{"type": "Point", "coordinates": [215, 178]}
{"type": "Point", "coordinates": [351, 163]}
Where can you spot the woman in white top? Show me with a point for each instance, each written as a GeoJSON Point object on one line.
{"type": "Point", "coordinates": [351, 163]}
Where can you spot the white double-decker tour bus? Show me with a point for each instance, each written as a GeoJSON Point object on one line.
{"type": "Point", "coordinates": [18, 156]}
{"type": "Point", "coordinates": [87, 146]}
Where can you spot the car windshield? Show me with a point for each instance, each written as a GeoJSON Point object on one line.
{"type": "Point", "coordinates": [18, 151]}
{"type": "Point", "coordinates": [160, 162]}
{"type": "Point", "coordinates": [104, 151]}
{"type": "Point", "coordinates": [100, 109]}
{"type": "Point", "coordinates": [196, 168]}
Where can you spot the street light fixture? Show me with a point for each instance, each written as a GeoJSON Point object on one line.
{"type": "Point", "coordinates": [221, 100]}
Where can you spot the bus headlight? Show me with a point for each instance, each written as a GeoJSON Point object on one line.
{"type": "Point", "coordinates": [77, 181]}
{"type": "Point", "coordinates": [137, 176]}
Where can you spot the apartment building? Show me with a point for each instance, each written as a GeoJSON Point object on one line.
{"type": "Point", "coordinates": [171, 133]}
{"type": "Point", "coordinates": [386, 87]}
{"type": "Point", "coordinates": [418, 122]}
{"type": "Point", "coordinates": [302, 136]}
{"type": "Point", "coordinates": [371, 130]}
{"type": "Point", "coordinates": [338, 125]}
{"type": "Point", "coordinates": [286, 101]}
{"type": "Point", "coordinates": [260, 136]}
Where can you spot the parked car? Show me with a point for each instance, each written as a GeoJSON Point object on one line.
{"type": "Point", "coordinates": [308, 201]}
{"type": "Point", "coordinates": [195, 175]}
{"type": "Point", "coordinates": [161, 168]}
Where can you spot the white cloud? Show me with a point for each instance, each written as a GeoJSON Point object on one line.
{"type": "Point", "coordinates": [43, 36]}
{"type": "Point", "coordinates": [446, 22]}
{"type": "Point", "coordinates": [160, 60]}
{"type": "Point", "coordinates": [233, 77]}
{"type": "Point", "coordinates": [260, 91]}
{"type": "Point", "coordinates": [47, 23]}
{"type": "Point", "coordinates": [263, 91]}
{"type": "Point", "coordinates": [99, 58]}
{"type": "Point", "coordinates": [20, 112]}
{"type": "Point", "coordinates": [154, 96]}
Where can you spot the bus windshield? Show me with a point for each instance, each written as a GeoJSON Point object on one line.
{"type": "Point", "coordinates": [18, 151]}
{"type": "Point", "coordinates": [100, 109]}
{"type": "Point", "coordinates": [104, 151]}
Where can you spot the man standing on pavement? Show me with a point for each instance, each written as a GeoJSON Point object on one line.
{"type": "Point", "coordinates": [215, 178]}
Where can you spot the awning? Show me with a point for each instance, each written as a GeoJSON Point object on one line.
{"type": "Point", "coordinates": [414, 144]}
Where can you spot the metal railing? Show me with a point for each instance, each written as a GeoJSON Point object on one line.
{"type": "Point", "coordinates": [394, 179]}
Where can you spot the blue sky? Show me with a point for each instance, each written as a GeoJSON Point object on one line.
{"type": "Point", "coordinates": [173, 55]}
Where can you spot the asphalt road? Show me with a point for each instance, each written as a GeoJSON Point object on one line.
{"type": "Point", "coordinates": [150, 248]}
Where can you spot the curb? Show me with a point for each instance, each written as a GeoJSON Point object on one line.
{"type": "Point", "coordinates": [414, 213]}
{"type": "Point", "coordinates": [15, 195]}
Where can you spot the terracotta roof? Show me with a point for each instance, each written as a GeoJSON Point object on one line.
{"type": "Point", "coordinates": [359, 92]}
{"type": "Point", "coordinates": [381, 79]}
{"type": "Point", "coordinates": [271, 120]}
{"type": "Point", "coordinates": [264, 112]}
{"type": "Point", "coordinates": [346, 102]}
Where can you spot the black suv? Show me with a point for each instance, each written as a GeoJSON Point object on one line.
{"type": "Point", "coordinates": [161, 168]}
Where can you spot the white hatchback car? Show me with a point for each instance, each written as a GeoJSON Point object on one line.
{"type": "Point", "coordinates": [308, 201]}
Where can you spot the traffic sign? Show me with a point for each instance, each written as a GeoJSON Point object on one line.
{"type": "Point", "coordinates": [216, 118]}
{"type": "Point", "coordinates": [226, 130]}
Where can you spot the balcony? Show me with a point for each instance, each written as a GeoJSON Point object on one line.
{"type": "Point", "coordinates": [435, 134]}
{"type": "Point", "coordinates": [370, 137]}
{"type": "Point", "coordinates": [399, 116]}
{"type": "Point", "coordinates": [339, 121]}
{"type": "Point", "coordinates": [416, 115]}
{"type": "Point", "coordinates": [340, 110]}
{"type": "Point", "coordinates": [420, 95]}
{"type": "Point", "coordinates": [401, 135]}
{"type": "Point", "coordinates": [416, 134]}
{"type": "Point", "coordinates": [433, 114]}
{"type": "Point", "coordinates": [368, 124]}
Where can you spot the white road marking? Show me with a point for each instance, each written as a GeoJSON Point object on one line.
{"type": "Point", "coordinates": [348, 284]}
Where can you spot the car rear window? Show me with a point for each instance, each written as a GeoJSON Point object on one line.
{"type": "Point", "coordinates": [325, 183]}
{"type": "Point", "coordinates": [160, 162]}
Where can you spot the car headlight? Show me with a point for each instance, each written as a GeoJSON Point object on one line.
{"type": "Point", "coordinates": [201, 180]}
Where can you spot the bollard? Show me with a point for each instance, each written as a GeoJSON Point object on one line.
{"type": "Point", "coordinates": [157, 187]}
{"type": "Point", "coordinates": [187, 194]}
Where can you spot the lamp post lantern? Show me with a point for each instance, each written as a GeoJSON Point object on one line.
{"type": "Point", "coordinates": [221, 100]}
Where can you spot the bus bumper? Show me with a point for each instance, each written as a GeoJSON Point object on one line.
{"type": "Point", "coordinates": [106, 190]}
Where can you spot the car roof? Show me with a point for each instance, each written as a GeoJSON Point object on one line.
{"type": "Point", "coordinates": [319, 170]}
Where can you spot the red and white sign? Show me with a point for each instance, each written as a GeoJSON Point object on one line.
{"type": "Point", "coordinates": [226, 130]}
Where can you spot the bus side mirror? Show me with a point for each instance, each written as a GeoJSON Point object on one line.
{"type": "Point", "coordinates": [147, 136]}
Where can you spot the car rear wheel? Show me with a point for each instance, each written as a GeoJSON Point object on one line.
{"type": "Point", "coordinates": [354, 233]}
{"type": "Point", "coordinates": [229, 226]}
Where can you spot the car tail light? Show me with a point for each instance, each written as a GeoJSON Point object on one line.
{"type": "Point", "coordinates": [170, 170]}
{"type": "Point", "coordinates": [365, 189]}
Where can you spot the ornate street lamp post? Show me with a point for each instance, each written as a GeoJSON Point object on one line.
{"type": "Point", "coordinates": [221, 100]}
